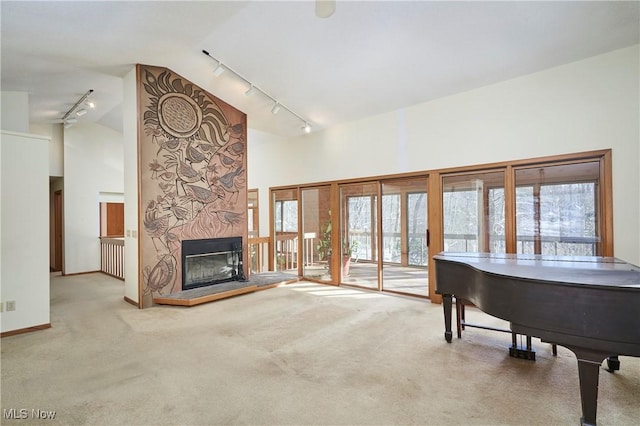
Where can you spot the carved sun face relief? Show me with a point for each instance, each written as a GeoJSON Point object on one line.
{"type": "Point", "coordinates": [179, 115]}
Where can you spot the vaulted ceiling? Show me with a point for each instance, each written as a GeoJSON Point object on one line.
{"type": "Point", "coordinates": [367, 58]}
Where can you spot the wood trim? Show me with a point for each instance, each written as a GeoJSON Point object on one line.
{"type": "Point", "coordinates": [131, 302]}
{"type": "Point", "coordinates": [435, 226]}
{"type": "Point", "coordinates": [25, 330]}
{"type": "Point", "coordinates": [379, 236]}
{"type": "Point", "coordinates": [606, 204]}
{"type": "Point", "coordinates": [272, 229]}
{"type": "Point", "coordinates": [82, 273]}
{"type": "Point", "coordinates": [300, 245]}
{"type": "Point", "coordinates": [139, 218]}
{"type": "Point", "coordinates": [511, 240]}
{"type": "Point", "coordinates": [204, 299]}
{"type": "Point", "coordinates": [336, 236]}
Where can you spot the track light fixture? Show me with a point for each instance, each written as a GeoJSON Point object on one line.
{"type": "Point", "coordinates": [67, 119]}
{"type": "Point", "coordinates": [255, 89]}
{"type": "Point", "coordinates": [90, 104]}
{"type": "Point", "coordinates": [219, 70]}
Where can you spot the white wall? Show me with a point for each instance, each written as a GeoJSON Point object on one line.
{"type": "Point", "coordinates": [259, 157]}
{"type": "Point", "coordinates": [587, 105]}
{"type": "Point", "coordinates": [131, 220]}
{"type": "Point", "coordinates": [56, 146]}
{"type": "Point", "coordinates": [24, 224]}
{"type": "Point", "coordinates": [15, 112]}
{"type": "Point", "coordinates": [93, 163]}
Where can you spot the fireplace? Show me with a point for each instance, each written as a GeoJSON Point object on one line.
{"type": "Point", "coordinates": [211, 261]}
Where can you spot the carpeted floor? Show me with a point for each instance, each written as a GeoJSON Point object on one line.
{"type": "Point", "coordinates": [298, 354]}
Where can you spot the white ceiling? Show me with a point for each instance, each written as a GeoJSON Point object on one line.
{"type": "Point", "coordinates": [367, 58]}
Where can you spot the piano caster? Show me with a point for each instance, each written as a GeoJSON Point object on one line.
{"type": "Point", "coordinates": [613, 364]}
{"type": "Point", "coordinates": [523, 353]}
{"type": "Point", "coordinates": [448, 336]}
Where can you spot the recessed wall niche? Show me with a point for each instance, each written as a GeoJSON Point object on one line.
{"type": "Point", "coordinates": [192, 174]}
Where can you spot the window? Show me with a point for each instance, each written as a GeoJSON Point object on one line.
{"type": "Point", "coordinates": [253, 213]}
{"type": "Point", "coordinates": [560, 205]}
{"type": "Point", "coordinates": [417, 228]}
{"type": "Point", "coordinates": [557, 209]}
{"type": "Point", "coordinates": [286, 216]}
{"type": "Point", "coordinates": [473, 212]}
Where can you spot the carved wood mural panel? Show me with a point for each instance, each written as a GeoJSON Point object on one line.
{"type": "Point", "coordinates": [192, 150]}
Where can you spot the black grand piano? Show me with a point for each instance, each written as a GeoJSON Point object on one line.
{"type": "Point", "coordinates": [590, 305]}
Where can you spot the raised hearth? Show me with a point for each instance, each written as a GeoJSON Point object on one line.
{"type": "Point", "coordinates": [200, 295]}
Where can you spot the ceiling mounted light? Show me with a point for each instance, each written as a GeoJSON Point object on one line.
{"type": "Point", "coordinates": [325, 8]}
{"type": "Point", "coordinates": [251, 91]}
{"type": "Point", "coordinates": [275, 108]}
{"type": "Point", "coordinates": [219, 70]}
{"type": "Point", "coordinates": [67, 118]}
{"type": "Point", "coordinates": [306, 128]}
{"type": "Point", "coordinates": [90, 104]}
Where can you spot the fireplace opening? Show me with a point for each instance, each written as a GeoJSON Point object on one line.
{"type": "Point", "coordinates": [211, 261]}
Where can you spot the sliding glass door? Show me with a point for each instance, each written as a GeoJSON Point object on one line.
{"type": "Point", "coordinates": [316, 233]}
{"type": "Point", "coordinates": [358, 231]}
{"type": "Point", "coordinates": [405, 236]}
{"type": "Point", "coordinates": [285, 243]}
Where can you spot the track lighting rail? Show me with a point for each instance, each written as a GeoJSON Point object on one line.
{"type": "Point", "coordinates": [277, 105]}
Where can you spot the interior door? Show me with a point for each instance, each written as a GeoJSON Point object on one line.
{"type": "Point", "coordinates": [57, 232]}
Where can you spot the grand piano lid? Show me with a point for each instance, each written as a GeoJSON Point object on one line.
{"type": "Point", "coordinates": [583, 270]}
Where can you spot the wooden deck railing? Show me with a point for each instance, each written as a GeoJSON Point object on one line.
{"type": "Point", "coordinates": [286, 250]}
{"type": "Point", "coordinates": [112, 256]}
{"type": "Point", "coordinates": [286, 256]}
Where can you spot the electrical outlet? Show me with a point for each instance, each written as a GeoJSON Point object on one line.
{"type": "Point", "coordinates": [11, 305]}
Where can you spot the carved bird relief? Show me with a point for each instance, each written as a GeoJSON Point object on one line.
{"type": "Point", "coordinates": [161, 274]}
{"type": "Point", "coordinates": [155, 226]}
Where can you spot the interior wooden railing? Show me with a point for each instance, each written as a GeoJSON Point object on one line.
{"type": "Point", "coordinates": [112, 256]}
{"type": "Point", "coordinates": [258, 260]}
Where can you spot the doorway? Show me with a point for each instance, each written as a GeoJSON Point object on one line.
{"type": "Point", "coordinates": [57, 231]}
{"type": "Point", "coordinates": [405, 238]}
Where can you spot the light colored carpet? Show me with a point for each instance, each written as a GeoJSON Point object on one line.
{"type": "Point", "coordinates": [299, 354]}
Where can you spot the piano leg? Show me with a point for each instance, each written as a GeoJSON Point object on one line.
{"type": "Point", "coordinates": [588, 371]}
{"type": "Point", "coordinates": [446, 305]}
{"type": "Point", "coordinates": [459, 317]}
